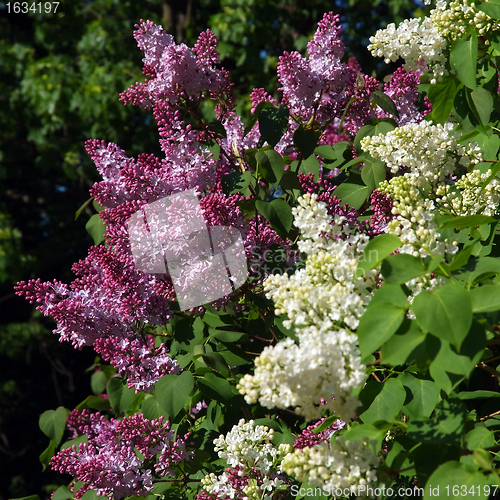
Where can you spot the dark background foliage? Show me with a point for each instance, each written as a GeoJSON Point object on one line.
{"type": "Point", "coordinates": [60, 78]}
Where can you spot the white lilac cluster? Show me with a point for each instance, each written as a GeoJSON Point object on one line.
{"type": "Point", "coordinates": [324, 368]}
{"type": "Point", "coordinates": [429, 152]}
{"type": "Point", "coordinates": [417, 41]}
{"type": "Point", "coordinates": [247, 449]}
{"type": "Point", "coordinates": [340, 465]}
{"type": "Point", "coordinates": [424, 41]}
{"type": "Point", "coordinates": [453, 19]}
{"type": "Point", "coordinates": [414, 220]}
{"type": "Point", "coordinates": [467, 196]}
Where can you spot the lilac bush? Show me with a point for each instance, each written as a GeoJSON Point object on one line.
{"type": "Point", "coordinates": [369, 213]}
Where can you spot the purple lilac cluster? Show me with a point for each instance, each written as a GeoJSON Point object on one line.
{"type": "Point", "coordinates": [321, 83]}
{"type": "Point", "coordinates": [121, 457]}
{"type": "Point", "coordinates": [402, 89]}
{"type": "Point", "coordinates": [308, 438]}
{"type": "Point", "coordinates": [138, 360]}
{"type": "Point", "coordinates": [110, 296]}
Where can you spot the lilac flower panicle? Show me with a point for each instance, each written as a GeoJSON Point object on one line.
{"type": "Point", "coordinates": [108, 462]}
{"type": "Point", "coordinates": [142, 364]}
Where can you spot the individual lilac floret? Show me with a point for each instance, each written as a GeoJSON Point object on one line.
{"type": "Point", "coordinates": [138, 360]}
{"type": "Point", "coordinates": [121, 457]}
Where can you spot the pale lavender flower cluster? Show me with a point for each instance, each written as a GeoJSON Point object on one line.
{"type": "Point", "coordinates": [121, 457]}
{"type": "Point", "coordinates": [138, 360]}
{"type": "Point", "coordinates": [321, 79]}
{"type": "Point", "coordinates": [178, 72]}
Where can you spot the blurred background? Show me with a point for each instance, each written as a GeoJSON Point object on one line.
{"type": "Point", "coordinates": [60, 78]}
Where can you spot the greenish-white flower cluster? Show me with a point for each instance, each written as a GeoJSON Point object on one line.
{"type": "Point", "coordinates": [422, 42]}
{"type": "Point", "coordinates": [322, 300]}
{"type": "Point", "coordinates": [468, 197]}
{"type": "Point", "coordinates": [414, 220]}
{"type": "Point", "coordinates": [430, 153]}
{"type": "Point", "coordinates": [340, 465]}
{"type": "Point", "coordinates": [453, 19]}
{"type": "Point", "coordinates": [415, 41]}
{"type": "Point", "coordinates": [248, 448]}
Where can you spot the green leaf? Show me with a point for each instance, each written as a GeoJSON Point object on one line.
{"type": "Point", "coordinates": [152, 409]}
{"type": "Point", "coordinates": [446, 426]}
{"type": "Point", "coordinates": [381, 401]}
{"type": "Point", "coordinates": [120, 396]}
{"type": "Point", "coordinates": [465, 395]}
{"type": "Point", "coordinates": [279, 213]}
{"type": "Point", "coordinates": [325, 424]}
{"type": "Point", "coordinates": [377, 250]}
{"type": "Point", "coordinates": [404, 346]}
{"type": "Point", "coordinates": [373, 127]}
{"type": "Point", "coordinates": [226, 335]}
{"type": "Point", "coordinates": [326, 151]}
{"type": "Point", "coordinates": [353, 195]}
{"type": "Point", "coordinates": [173, 391]}
{"type": "Point", "coordinates": [96, 228]}
{"type": "Point", "coordinates": [393, 294]}
{"type": "Point", "coordinates": [467, 221]}
{"type": "Point", "coordinates": [462, 361]}
{"type": "Point", "coordinates": [385, 102]}
{"type": "Point", "coordinates": [47, 454]}
{"type": "Point", "coordinates": [214, 360]}
{"type": "Point", "coordinates": [463, 60]}
{"type": "Point", "coordinates": [373, 172]}
{"type": "Point", "coordinates": [75, 442]}
{"type": "Point", "coordinates": [485, 298]}
{"type": "Point", "coordinates": [79, 211]}
{"type": "Point", "coordinates": [480, 437]}
{"type": "Point", "coordinates": [455, 474]}
{"type": "Point", "coordinates": [94, 403]}
{"type": "Point", "coordinates": [357, 432]}
{"type": "Point", "coordinates": [273, 165]}
{"type": "Point", "coordinates": [273, 123]}
{"type": "Point", "coordinates": [445, 312]}
{"type": "Point", "coordinates": [305, 140]}
{"type": "Point", "coordinates": [483, 102]}
{"type": "Point", "coordinates": [290, 183]}
{"type": "Point", "coordinates": [62, 493]}
{"type": "Point", "coordinates": [233, 355]}
{"type": "Point", "coordinates": [492, 8]}
{"type": "Point", "coordinates": [215, 387]}
{"type": "Point", "coordinates": [422, 398]}
{"type": "Point", "coordinates": [236, 182]}
{"type": "Point", "coordinates": [53, 423]}
{"type": "Point", "coordinates": [377, 325]}
{"type": "Point", "coordinates": [310, 166]}
{"type": "Point", "coordinates": [400, 268]}
{"type": "Point", "coordinates": [90, 495]}
{"type": "Point", "coordinates": [255, 116]}
{"type": "Point", "coordinates": [98, 382]}
{"type": "Point", "coordinates": [442, 96]}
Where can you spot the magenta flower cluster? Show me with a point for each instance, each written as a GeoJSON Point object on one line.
{"type": "Point", "coordinates": [138, 360]}
{"type": "Point", "coordinates": [121, 457]}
